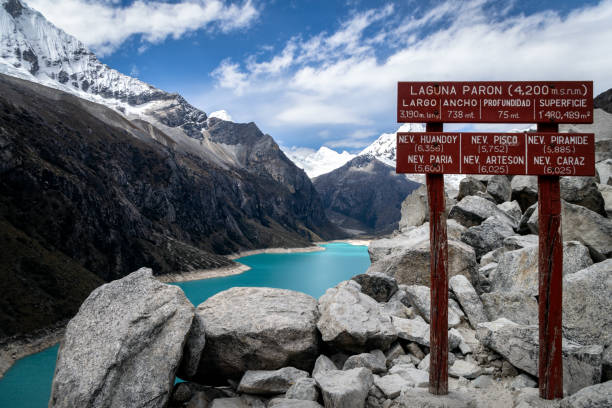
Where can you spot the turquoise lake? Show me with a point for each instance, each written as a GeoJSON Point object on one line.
{"type": "Point", "coordinates": [28, 383]}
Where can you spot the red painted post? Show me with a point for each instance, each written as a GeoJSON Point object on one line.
{"type": "Point", "coordinates": [550, 272]}
{"type": "Point", "coordinates": [438, 335]}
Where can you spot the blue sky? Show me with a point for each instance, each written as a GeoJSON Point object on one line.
{"type": "Point", "coordinates": [316, 72]}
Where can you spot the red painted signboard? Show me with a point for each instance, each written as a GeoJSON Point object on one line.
{"type": "Point", "coordinates": [496, 102]}
{"type": "Point", "coordinates": [560, 154]}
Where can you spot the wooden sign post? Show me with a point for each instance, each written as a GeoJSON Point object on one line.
{"type": "Point", "coordinates": [545, 153]}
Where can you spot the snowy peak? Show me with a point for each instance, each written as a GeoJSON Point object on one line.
{"type": "Point", "coordinates": [383, 148]}
{"type": "Point", "coordinates": [41, 52]}
{"type": "Point", "coordinates": [33, 49]}
{"type": "Point", "coordinates": [221, 114]}
{"type": "Point", "coordinates": [318, 162]}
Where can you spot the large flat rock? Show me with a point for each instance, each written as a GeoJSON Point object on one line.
{"type": "Point", "coordinates": [518, 270]}
{"type": "Point", "coordinates": [581, 224]}
{"type": "Point", "coordinates": [406, 256]}
{"type": "Point", "coordinates": [353, 321]}
{"type": "Point", "coordinates": [587, 304]}
{"type": "Point", "coordinates": [257, 329]}
{"type": "Point", "coordinates": [519, 345]}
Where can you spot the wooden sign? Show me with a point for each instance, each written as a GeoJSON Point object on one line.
{"type": "Point", "coordinates": [496, 102]}
{"type": "Point", "coordinates": [546, 153]}
{"type": "Point", "coordinates": [561, 154]}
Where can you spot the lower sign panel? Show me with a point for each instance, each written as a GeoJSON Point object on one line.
{"type": "Point", "coordinates": [562, 154]}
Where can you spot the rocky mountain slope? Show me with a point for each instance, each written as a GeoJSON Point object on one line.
{"type": "Point", "coordinates": [364, 196]}
{"type": "Point", "coordinates": [102, 173]}
{"type": "Point", "coordinates": [82, 183]}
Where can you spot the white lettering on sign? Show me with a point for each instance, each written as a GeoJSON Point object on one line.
{"type": "Point", "coordinates": [425, 138]}
{"type": "Point", "coordinates": [419, 103]}
{"type": "Point", "coordinates": [570, 161]}
{"type": "Point", "coordinates": [563, 103]}
{"type": "Point", "coordinates": [535, 139]}
{"type": "Point", "coordinates": [482, 89]}
{"type": "Point", "coordinates": [512, 103]}
{"type": "Point", "coordinates": [541, 160]}
{"type": "Point", "coordinates": [562, 139]}
{"type": "Point", "coordinates": [510, 140]}
{"type": "Point", "coordinates": [442, 159]}
{"type": "Point", "coordinates": [414, 159]}
{"type": "Point", "coordinates": [505, 160]}
{"type": "Point", "coordinates": [431, 90]}
{"type": "Point", "coordinates": [460, 103]}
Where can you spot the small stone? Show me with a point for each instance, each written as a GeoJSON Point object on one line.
{"type": "Point", "coordinates": [419, 297]}
{"type": "Point", "coordinates": [414, 377]}
{"type": "Point", "coordinates": [523, 381]}
{"type": "Point", "coordinates": [524, 190]}
{"type": "Point", "coordinates": [464, 368]}
{"type": "Point", "coordinates": [292, 403]}
{"type": "Point", "coordinates": [500, 189]}
{"type": "Point", "coordinates": [470, 186]}
{"type": "Point", "coordinates": [391, 385]}
{"type": "Point", "coordinates": [374, 361]}
{"type": "Point", "coordinates": [323, 363]}
{"type": "Point", "coordinates": [513, 209]}
{"type": "Point", "coordinates": [345, 389]}
{"type": "Point", "coordinates": [508, 370]}
{"type": "Point", "coordinates": [424, 364]}
{"type": "Point", "coordinates": [487, 236]}
{"type": "Point", "coordinates": [269, 382]}
{"type": "Point", "coordinates": [406, 359]}
{"type": "Point", "coordinates": [415, 350]}
{"type": "Point", "coordinates": [473, 210]}
{"type": "Point", "coordinates": [469, 299]}
{"type": "Point", "coordinates": [378, 286]}
{"type": "Point", "coordinates": [483, 381]}
{"type": "Point", "coordinates": [394, 352]}
{"type": "Point", "coordinates": [303, 389]}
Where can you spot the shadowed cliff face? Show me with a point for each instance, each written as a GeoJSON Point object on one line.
{"type": "Point", "coordinates": [365, 195]}
{"type": "Point", "coordinates": [604, 101]}
{"type": "Point", "coordinates": [87, 185]}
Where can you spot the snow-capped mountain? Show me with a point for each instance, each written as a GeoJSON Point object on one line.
{"type": "Point", "coordinates": [317, 162]}
{"type": "Point", "coordinates": [383, 148]}
{"type": "Point", "coordinates": [221, 114]}
{"type": "Point", "coordinates": [34, 49]}
{"type": "Point", "coordinates": [240, 169]}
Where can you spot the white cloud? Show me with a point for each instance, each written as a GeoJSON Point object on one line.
{"type": "Point", "coordinates": [342, 78]}
{"type": "Point", "coordinates": [104, 26]}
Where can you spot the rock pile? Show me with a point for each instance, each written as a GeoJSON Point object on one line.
{"type": "Point", "coordinates": [365, 342]}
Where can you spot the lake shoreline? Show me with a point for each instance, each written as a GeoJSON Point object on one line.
{"type": "Point", "coordinates": [231, 270]}
{"type": "Point", "coordinates": [15, 348]}
{"type": "Point", "coordinates": [18, 347]}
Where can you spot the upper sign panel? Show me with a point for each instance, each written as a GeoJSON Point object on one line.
{"type": "Point", "coordinates": [495, 102]}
